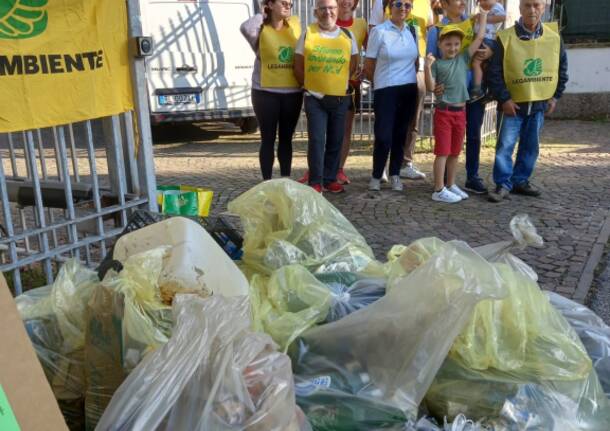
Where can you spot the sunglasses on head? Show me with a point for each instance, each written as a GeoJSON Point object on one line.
{"type": "Point", "coordinates": [399, 5]}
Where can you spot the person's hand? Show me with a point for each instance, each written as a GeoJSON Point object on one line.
{"type": "Point", "coordinates": [552, 104]}
{"type": "Point", "coordinates": [510, 108]}
{"type": "Point", "coordinates": [430, 59]}
{"type": "Point", "coordinates": [439, 89]}
{"type": "Point", "coordinates": [483, 53]}
{"type": "Point", "coordinates": [482, 13]}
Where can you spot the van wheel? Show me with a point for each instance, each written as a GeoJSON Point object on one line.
{"type": "Point", "coordinates": [249, 125]}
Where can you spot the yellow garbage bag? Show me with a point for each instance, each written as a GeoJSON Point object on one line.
{"type": "Point", "coordinates": [288, 223]}
{"type": "Point", "coordinates": [127, 320]}
{"type": "Point", "coordinates": [287, 303]}
{"type": "Point", "coordinates": [518, 358]}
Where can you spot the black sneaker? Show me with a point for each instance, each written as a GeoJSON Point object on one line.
{"type": "Point", "coordinates": [499, 194]}
{"type": "Point", "coordinates": [525, 189]}
{"type": "Point", "coordinates": [476, 186]}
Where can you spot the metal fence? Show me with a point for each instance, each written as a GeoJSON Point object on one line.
{"type": "Point", "coordinates": [365, 118]}
{"type": "Point", "coordinates": [67, 190]}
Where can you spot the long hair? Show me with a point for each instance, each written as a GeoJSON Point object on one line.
{"type": "Point", "coordinates": [267, 11]}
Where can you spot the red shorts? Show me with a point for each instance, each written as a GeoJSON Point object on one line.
{"type": "Point", "coordinates": [449, 132]}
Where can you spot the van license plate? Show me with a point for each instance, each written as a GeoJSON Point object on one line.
{"type": "Point", "coordinates": [179, 99]}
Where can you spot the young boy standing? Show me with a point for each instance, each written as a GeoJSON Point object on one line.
{"type": "Point", "coordinates": [450, 112]}
{"type": "Point", "coordinates": [496, 15]}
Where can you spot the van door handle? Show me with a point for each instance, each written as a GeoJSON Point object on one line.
{"type": "Point", "coordinates": [186, 68]}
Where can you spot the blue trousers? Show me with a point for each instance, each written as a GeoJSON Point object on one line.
{"type": "Point", "coordinates": [474, 121]}
{"type": "Point", "coordinates": [325, 128]}
{"type": "Point", "coordinates": [394, 108]}
{"type": "Point", "coordinates": [526, 130]}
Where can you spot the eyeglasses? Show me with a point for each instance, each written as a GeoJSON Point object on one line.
{"type": "Point", "coordinates": [286, 4]}
{"type": "Point", "coordinates": [328, 9]}
{"type": "Point", "coordinates": [400, 4]}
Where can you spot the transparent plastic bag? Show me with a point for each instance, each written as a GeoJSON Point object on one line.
{"type": "Point", "coordinates": [350, 292]}
{"type": "Point", "coordinates": [288, 223]}
{"type": "Point", "coordinates": [55, 320]}
{"type": "Point", "coordinates": [213, 374]}
{"type": "Point", "coordinates": [399, 342]}
{"type": "Point", "coordinates": [593, 333]}
{"type": "Point", "coordinates": [287, 303]}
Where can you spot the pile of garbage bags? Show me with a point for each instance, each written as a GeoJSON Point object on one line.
{"type": "Point", "coordinates": [313, 333]}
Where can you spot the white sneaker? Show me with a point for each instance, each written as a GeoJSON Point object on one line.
{"type": "Point", "coordinates": [458, 191]}
{"type": "Point", "coordinates": [374, 185]}
{"type": "Point", "coordinates": [384, 176]}
{"type": "Point", "coordinates": [396, 183]}
{"type": "Point", "coordinates": [411, 172]}
{"type": "Point", "coordinates": [445, 196]}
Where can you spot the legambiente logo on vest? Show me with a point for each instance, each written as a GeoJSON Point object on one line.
{"type": "Point", "coordinates": [532, 69]}
{"type": "Point", "coordinates": [25, 19]}
{"type": "Point", "coordinates": [285, 57]}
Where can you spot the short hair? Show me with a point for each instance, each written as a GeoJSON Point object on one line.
{"type": "Point", "coordinates": [318, 3]}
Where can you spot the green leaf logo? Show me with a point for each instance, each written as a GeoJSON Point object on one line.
{"type": "Point", "coordinates": [22, 19]}
{"type": "Point", "coordinates": [285, 54]}
{"type": "Point", "coordinates": [533, 67]}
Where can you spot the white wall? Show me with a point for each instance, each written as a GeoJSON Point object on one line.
{"type": "Point", "coordinates": [589, 70]}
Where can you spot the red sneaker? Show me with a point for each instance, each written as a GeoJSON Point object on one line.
{"type": "Point", "coordinates": [317, 187]}
{"type": "Point", "coordinates": [305, 178]}
{"type": "Point", "coordinates": [342, 178]}
{"type": "Point", "coordinates": [334, 187]}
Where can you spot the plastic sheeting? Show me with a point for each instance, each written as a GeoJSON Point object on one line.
{"type": "Point", "coordinates": [213, 374]}
{"type": "Point", "coordinates": [288, 223]}
{"type": "Point", "coordinates": [393, 348]}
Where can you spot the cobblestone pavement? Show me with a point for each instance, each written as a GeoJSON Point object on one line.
{"type": "Point", "coordinates": [573, 171]}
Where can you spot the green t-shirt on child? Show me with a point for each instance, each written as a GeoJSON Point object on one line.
{"type": "Point", "coordinates": [453, 74]}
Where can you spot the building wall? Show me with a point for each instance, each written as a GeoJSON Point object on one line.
{"type": "Point", "coordinates": [589, 70]}
{"type": "Point", "coordinates": [587, 93]}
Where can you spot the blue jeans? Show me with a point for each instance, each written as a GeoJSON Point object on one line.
{"type": "Point", "coordinates": [474, 121]}
{"type": "Point", "coordinates": [325, 128]}
{"type": "Point", "coordinates": [526, 129]}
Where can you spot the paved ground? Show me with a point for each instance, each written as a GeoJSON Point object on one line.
{"type": "Point", "coordinates": [573, 171]}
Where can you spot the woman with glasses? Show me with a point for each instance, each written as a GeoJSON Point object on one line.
{"type": "Point", "coordinates": [276, 95]}
{"type": "Point", "coordinates": [391, 65]}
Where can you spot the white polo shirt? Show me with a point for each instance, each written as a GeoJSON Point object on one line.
{"type": "Point", "coordinates": [396, 53]}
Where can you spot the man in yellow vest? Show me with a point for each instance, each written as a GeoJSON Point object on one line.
{"type": "Point", "coordinates": [527, 75]}
{"type": "Point", "coordinates": [325, 58]}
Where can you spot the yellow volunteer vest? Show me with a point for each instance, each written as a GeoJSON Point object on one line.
{"type": "Point", "coordinates": [359, 28]}
{"type": "Point", "coordinates": [418, 18]}
{"type": "Point", "coordinates": [531, 67]}
{"type": "Point", "coordinates": [326, 62]}
{"type": "Point", "coordinates": [276, 50]}
{"type": "Point", "coordinates": [467, 26]}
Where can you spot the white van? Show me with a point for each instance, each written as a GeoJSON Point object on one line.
{"type": "Point", "coordinates": [201, 65]}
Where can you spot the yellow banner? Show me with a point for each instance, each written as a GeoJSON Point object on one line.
{"type": "Point", "coordinates": [62, 61]}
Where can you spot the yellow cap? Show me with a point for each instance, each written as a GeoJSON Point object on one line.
{"type": "Point", "coordinates": [451, 29]}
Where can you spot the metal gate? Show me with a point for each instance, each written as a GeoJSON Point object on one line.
{"type": "Point", "coordinates": [67, 190]}
{"type": "Point", "coordinates": [365, 118]}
